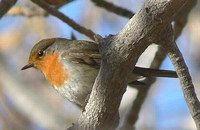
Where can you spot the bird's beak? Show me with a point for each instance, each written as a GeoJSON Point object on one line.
{"type": "Point", "coordinates": [27, 66]}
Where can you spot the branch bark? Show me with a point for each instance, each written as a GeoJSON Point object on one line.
{"type": "Point", "coordinates": [180, 22]}
{"type": "Point", "coordinates": [5, 5]}
{"type": "Point", "coordinates": [186, 83]}
{"type": "Point", "coordinates": [119, 56]}
{"type": "Point", "coordinates": [177, 59]}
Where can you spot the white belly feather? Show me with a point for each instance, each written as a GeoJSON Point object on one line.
{"type": "Point", "coordinates": [80, 82]}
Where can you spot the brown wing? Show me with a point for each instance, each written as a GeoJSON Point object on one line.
{"type": "Point", "coordinates": [84, 56]}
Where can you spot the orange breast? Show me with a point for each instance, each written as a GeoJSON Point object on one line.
{"type": "Point", "coordinates": [53, 69]}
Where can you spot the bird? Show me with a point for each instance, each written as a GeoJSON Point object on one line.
{"type": "Point", "coordinates": [71, 67]}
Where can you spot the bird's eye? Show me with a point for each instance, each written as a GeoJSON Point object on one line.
{"type": "Point", "coordinates": [41, 53]}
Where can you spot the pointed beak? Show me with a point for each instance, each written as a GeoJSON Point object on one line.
{"type": "Point", "coordinates": [27, 66]}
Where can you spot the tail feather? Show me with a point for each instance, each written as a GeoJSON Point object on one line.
{"type": "Point", "coordinates": [149, 72]}
{"type": "Point", "coordinates": [136, 83]}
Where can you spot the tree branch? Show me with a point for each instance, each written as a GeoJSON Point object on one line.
{"type": "Point", "coordinates": [186, 83]}
{"type": "Point", "coordinates": [119, 55]}
{"type": "Point", "coordinates": [53, 11]}
{"type": "Point", "coordinates": [185, 79]}
{"type": "Point", "coordinates": [166, 40]}
{"type": "Point", "coordinates": [58, 2]}
{"type": "Point", "coordinates": [5, 5]}
{"type": "Point", "coordinates": [180, 21]}
{"type": "Point", "coordinates": [113, 8]}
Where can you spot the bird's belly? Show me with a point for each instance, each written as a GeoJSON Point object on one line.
{"type": "Point", "coordinates": [79, 84]}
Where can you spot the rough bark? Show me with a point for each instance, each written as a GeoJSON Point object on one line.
{"type": "Point", "coordinates": [180, 22]}
{"type": "Point", "coordinates": [186, 82]}
{"type": "Point", "coordinates": [167, 41]}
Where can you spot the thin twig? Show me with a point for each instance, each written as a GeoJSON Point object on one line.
{"type": "Point", "coordinates": [32, 10]}
{"type": "Point", "coordinates": [66, 2]}
{"type": "Point", "coordinates": [58, 2]}
{"type": "Point", "coordinates": [113, 8]}
{"type": "Point", "coordinates": [5, 5]}
{"type": "Point", "coordinates": [53, 11]}
{"type": "Point", "coordinates": [186, 82]}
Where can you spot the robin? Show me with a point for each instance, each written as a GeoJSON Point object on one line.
{"type": "Point", "coordinates": [71, 67]}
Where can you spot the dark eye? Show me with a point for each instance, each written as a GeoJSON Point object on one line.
{"type": "Point", "coordinates": [41, 53]}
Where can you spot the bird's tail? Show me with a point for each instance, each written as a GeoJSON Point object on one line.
{"type": "Point", "coordinates": [149, 72]}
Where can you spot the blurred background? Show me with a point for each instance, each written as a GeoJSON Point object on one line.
{"type": "Point", "coordinates": [27, 100]}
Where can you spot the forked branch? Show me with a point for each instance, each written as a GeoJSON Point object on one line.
{"type": "Point", "coordinates": [180, 22]}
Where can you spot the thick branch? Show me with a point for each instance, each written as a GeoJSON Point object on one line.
{"type": "Point", "coordinates": [113, 8]}
{"type": "Point", "coordinates": [53, 11]}
{"type": "Point", "coordinates": [5, 5]}
{"type": "Point", "coordinates": [119, 55]}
